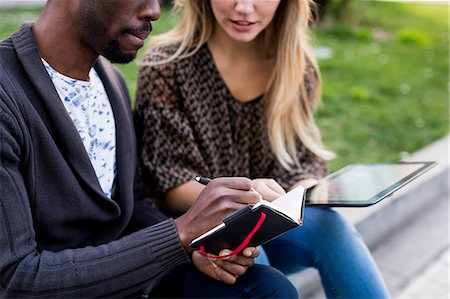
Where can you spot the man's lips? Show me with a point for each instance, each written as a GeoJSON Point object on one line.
{"type": "Point", "coordinates": [141, 33]}
{"type": "Point", "coordinates": [133, 38]}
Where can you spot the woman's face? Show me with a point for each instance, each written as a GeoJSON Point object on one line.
{"type": "Point", "coordinates": [243, 20]}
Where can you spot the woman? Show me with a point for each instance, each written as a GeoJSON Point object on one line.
{"type": "Point", "coordinates": [231, 91]}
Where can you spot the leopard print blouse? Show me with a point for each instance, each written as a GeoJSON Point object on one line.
{"type": "Point", "coordinates": [188, 124]}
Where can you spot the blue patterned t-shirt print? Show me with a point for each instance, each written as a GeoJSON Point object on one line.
{"type": "Point", "coordinates": [90, 110]}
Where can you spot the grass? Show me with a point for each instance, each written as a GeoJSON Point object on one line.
{"type": "Point", "coordinates": [386, 86]}
{"type": "Point", "coordinates": [12, 18]}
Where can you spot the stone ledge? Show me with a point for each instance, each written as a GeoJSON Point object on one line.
{"type": "Point", "coordinates": [383, 219]}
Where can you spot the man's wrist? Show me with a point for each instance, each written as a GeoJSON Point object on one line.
{"type": "Point", "coordinates": [183, 234]}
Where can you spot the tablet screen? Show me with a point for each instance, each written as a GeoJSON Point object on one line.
{"type": "Point", "coordinates": [364, 184]}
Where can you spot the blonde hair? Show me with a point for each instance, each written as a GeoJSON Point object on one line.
{"type": "Point", "coordinates": [288, 117]}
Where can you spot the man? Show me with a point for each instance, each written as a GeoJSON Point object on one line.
{"type": "Point", "coordinates": [70, 224]}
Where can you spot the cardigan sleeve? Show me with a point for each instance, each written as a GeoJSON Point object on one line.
{"type": "Point", "coordinates": [167, 150]}
{"type": "Point", "coordinates": [117, 268]}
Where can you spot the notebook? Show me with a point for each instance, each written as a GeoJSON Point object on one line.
{"type": "Point", "coordinates": [356, 185]}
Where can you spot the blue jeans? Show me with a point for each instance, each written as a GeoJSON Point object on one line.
{"type": "Point", "coordinates": [327, 242]}
{"type": "Point", "coordinates": [259, 281]}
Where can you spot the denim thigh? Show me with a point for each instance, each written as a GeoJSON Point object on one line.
{"type": "Point", "coordinates": [327, 242]}
{"type": "Point", "coordinates": [259, 282]}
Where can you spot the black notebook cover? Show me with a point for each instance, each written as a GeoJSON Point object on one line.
{"type": "Point", "coordinates": [239, 225]}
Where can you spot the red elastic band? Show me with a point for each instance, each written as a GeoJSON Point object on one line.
{"type": "Point", "coordinates": [240, 247]}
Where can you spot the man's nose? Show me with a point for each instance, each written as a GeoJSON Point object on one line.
{"type": "Point", "coordinates": [150, 11]}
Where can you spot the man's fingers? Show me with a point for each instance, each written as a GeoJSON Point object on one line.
{"type": "Point", "coordinates": [251, 252]}
{"type": "Point", "coordinates": [223, 275]}
{"type": "Point", "coordinates": [245, 259]}
{"type": "Point", "coordinates": [214, 268]}
{"type": "Point", "coordinates": [233, 268]}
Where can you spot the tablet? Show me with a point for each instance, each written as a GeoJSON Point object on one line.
{"type": "Point", "coordinates": [363, 184]}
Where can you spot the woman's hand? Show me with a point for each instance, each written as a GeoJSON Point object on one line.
{"type": "Point", "coordinates": [269, 189]}
{"type": "Point", "coordinates": [227, 269]}
{"type": "Point", "coordinates": [306, 183]}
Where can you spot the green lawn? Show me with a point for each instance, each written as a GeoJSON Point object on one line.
{"type": "Point", "coordinates": [386, 87]}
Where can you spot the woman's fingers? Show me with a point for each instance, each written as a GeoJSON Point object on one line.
{"type": "Point", "coordinates": [268, 188]}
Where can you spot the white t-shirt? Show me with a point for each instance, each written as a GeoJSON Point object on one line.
{"type": "Point", "coordinates": [90, 110]}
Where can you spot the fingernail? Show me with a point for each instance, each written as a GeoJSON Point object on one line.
{"type": "Point", "coordinates": [259, 195]}
{"type": "Point", "coordinates": [248, 253]}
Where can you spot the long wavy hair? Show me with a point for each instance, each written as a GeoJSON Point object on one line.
{"type": "Point", "coordinates": [290, 107]}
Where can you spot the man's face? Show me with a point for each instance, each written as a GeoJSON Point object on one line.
{"type": "Point", "coordinates": [116, 29]}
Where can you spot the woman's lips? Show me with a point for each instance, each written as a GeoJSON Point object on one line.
{"type": "Point", "coordinates": [242, 25]}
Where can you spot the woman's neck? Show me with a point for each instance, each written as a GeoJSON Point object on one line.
{"type": "Point", "coordinates": [244, 67]}
{"type": "Point", "coordinates": [220, 43]}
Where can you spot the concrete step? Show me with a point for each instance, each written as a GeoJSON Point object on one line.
{"type": "Point", "coordinates": [433, 283]}
{"type": "Point", "coordinates": [383, 220]}
{"type": "Point", "coordinates": [414, 260]}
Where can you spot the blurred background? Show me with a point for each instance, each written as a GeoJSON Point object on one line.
{"type": "Point", "coordinates": [385, 70]}
{"type": "Point", "coordinates": [384, 67]}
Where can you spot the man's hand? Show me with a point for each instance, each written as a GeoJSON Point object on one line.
{"type": "Point", "coordinates": [220, 198]}
{"type": "Point", "coordinates": [227, 269]}
{"type": "Point", "coordinates": [269, 189]}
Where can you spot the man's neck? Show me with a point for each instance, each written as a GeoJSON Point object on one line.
{"type": "Point", "coordinates": [60, 45]}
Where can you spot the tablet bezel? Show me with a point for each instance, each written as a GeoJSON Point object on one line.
{"type": "Point", "coordinates": [379, 196]}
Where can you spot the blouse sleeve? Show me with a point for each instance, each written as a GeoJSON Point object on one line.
{"type": "Point", "coordinates": [168, 153]}
{"type": "Point", "coordinates": [311, 166]}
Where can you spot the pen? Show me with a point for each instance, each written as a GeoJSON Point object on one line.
{"type": "Point", "coordinates": [202, 180]}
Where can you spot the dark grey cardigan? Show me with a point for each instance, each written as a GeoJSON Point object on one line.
{"type": "Point", "coordinates": [59, 235]}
